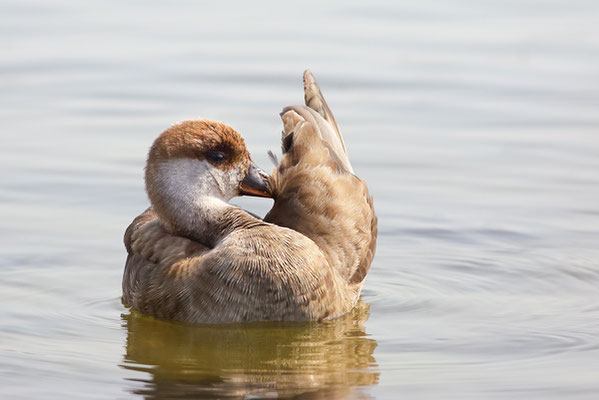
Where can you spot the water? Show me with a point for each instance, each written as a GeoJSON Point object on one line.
{"type": "Point", "coordinates": [474, 123]}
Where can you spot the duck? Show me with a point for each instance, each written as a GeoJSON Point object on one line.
{"type": "Point", "coordinates": [194, 257]}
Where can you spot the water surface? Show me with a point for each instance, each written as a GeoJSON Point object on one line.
{"type": "Point", "coordinates": [474, 123]}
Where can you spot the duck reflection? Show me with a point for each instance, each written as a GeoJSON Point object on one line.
{"type": "Point", "coordinates": [305, 360]}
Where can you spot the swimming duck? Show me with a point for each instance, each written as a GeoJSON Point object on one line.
{"type": "Point", "coordinates": [194, 257]}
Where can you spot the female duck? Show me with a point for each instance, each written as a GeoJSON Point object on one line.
{"type": "Point", "coordinates": [193, 257]}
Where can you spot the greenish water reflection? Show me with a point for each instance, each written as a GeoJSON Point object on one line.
{"type": "Point", "coordinates": [259, 360]}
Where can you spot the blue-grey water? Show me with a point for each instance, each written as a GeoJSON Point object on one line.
{"type": "Point", "coordinates": [475, 124]}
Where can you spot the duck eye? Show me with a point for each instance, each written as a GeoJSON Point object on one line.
{"type": "Point", "coordinates": [215, 156]}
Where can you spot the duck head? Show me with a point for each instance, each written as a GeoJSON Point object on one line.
{"type": "Point", "coordinates": [194, 168]}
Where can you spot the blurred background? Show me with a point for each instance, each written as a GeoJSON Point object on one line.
{"type": "Point", "coordinates": [475, 124]}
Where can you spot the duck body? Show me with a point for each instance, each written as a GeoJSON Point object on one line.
{"type": "Point", "coordinates": [193, 257]}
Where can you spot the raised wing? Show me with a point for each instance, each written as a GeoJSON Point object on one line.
{"type": "Point", "coordinates": [316, 192]}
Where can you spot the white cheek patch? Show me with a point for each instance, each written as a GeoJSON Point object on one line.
{"type": "Point", "coordinates": [222, 182]}
{"type": "Point", "coordinates": [189, 179]}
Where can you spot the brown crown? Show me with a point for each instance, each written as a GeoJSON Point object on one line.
{"type": "Point", "coordinates": [194, 139]}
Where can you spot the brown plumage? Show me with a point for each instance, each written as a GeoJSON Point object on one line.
{"type": "Point", "coordinates": [195, 258]}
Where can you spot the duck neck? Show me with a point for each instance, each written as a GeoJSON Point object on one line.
{"type": "Point", "coordinates": [208, 220]}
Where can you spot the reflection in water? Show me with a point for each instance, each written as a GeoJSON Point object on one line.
{"type": "Point", "coordinates": [259, 360]}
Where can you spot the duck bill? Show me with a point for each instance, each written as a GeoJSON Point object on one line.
{"type": "Point", "coordinates": [255, 183]}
